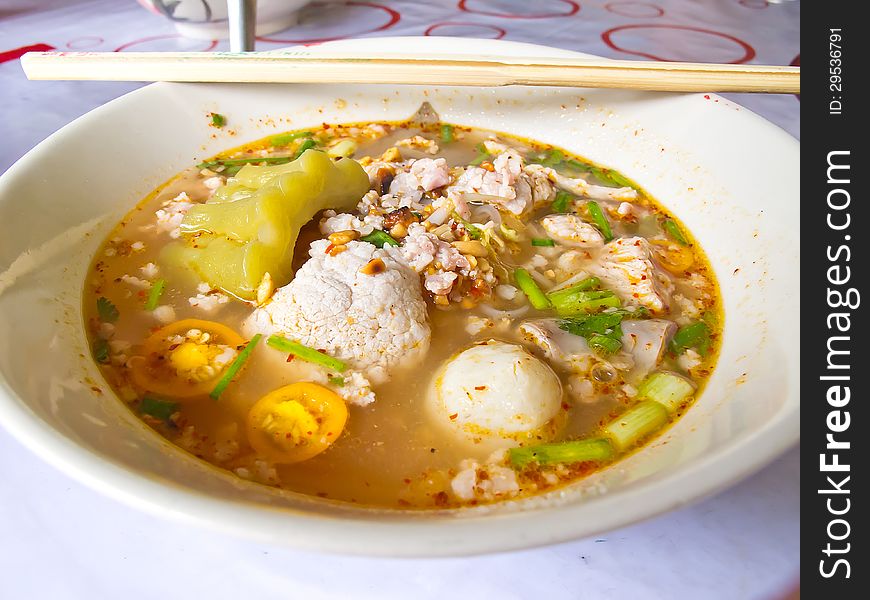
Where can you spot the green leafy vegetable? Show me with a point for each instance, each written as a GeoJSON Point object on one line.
{"type": "Point", "coordinates": [603, 331]}
{"type": "Point", "coordinates": [668, 389]}
{"type": "Point", "coordinates": [599, 220]}
{"type": "Point", "coordinates": [447, 133]}
{"type": "Point", "coordinates": [336, 380]}
{"type": "Point", "coordinates": [583, 298]}
{"type": "Point", "coordinates": [543, 242]}
{"type": "Point", "coordinates": [285, 139]}
{"type": "Point", "coordinates": [305, 353]}
{"type": "Point", "coordinates": [218, 120]}
{"type": "Point", "coordinates": [636, 423]}
{"type": "Point", "coordinates": [100, 350]}
{"type": "Point", "coordinates": [234, 368]}
{"type": "Point", "coordinates": [379, 238]}
{"type": "Point", "coordinates": [552, 158]}
{"type": "Point", "coordinates": [596, 449]}
{"type": "Point", "coordinates": [673, 231]}
{"type": "Point", "coordinates": [693, 335]}
{"type": "Point", "coordinates": [528, 286]}
{"type": "Point", "coordinates": [474, 232]}
{"type": "Point", "coordinates": [157, 408]}
{"type": "Point", "coordinates": [154, 294]}
{"type": "Point", "coordinates": [106, 310]}
{"type": "Point", "coordinates": [562, 202]}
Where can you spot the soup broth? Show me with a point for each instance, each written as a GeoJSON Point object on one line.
{"type": "Point", "coordinates": [514, 264]}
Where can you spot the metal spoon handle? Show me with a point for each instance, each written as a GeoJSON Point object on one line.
{"type": "Point", "coordinates": [243, 22]}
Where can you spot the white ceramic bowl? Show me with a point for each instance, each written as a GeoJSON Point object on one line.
{"type": "Point", "coordinates": [731, 176]}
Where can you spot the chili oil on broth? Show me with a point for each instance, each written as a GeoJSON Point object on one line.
{"type": "Point", "coordinates": [390, 453]}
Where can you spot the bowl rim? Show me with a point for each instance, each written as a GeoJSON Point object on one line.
{"type": "Point", "coordinates": [402, 536]}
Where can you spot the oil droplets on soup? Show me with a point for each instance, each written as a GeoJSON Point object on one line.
{"type": "Point", "coordinates": [403, 314]}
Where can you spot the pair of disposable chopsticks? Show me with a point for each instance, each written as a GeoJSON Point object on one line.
{"type": "Point", "coordinates": [300, 66]}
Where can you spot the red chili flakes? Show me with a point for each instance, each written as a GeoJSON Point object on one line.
{"type": "Point", "coordinates": [480, 387]}
{"type": "Point", "coordinates": [291, 357]}
{"type": "Point", "coordinates": [454, 416]}
{"type": "Point", "coordinates": [329, 248]}
{"type": "Point", "coordinates": [441, 498]}
{"type": "Point", "coordinates": [406, 480]}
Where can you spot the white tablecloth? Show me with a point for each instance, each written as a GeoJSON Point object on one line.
{"type": "Point", "coordinates": [61, 540]}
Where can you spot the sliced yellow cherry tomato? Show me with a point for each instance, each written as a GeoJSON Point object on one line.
{"type": "Point", "coordinates": [187, 368]}
{"type": "Point", "coordinates": [296, 422]}
{"type": "Point", "coordinates": [672, 256]}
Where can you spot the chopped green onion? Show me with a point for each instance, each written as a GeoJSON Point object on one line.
{"type": "Point", "coordinates": [636, 423]}
{"type": "Point", "coordinates": [231, 162]}
{"type": "Point", "coordinates": [694, 335]}
{"type": "Point", "coordinates": [667, 389]}
{"type": "Point", "coordinates": [482, 155]}
{"type": "Point", "coordinates": [447, 133]}
{"type": "Point", "coordinates": [218, 120]}
{"type": "Point", "coordinates": [284, 139]}
{"type": "Point", "coordinates": [562, 201]}
{"type": "Point", "coordinates": [474, 232]}
{"type": "Point", "coordinates": [154, 294]}
{"type": "Point", "coordinates": [338, 381]}
{"type": "Point", "coordinates": [563, 452]}
{"type": "Point", "coordinates": [379, 238]}
{"type": "Point", "coordinates": [599, 220]}
{"type": "Point", "coordinates": [577, 301]}
{"type": "Point", "coordinates": [100, 350]}
{"type": "Point", "coordinates": [106, 310]}
{"type": "Point", "coordinates": [157, 408]}
{"type": "Point", "coordinates": [525, 282]}
{"type": "Point", "coordinates": [234, 368]}
{"type": "Point", "coordinates": [673, 231]}
{"type": "Point", "coordinates": [305, 353]}
{"type": "Point", "coordinates": [543, 242]}
{"type": "Point", "coordinates": [306, 145]}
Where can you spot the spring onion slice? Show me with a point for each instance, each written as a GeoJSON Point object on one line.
{"type": "Point", "coordinates": [543, 242]}
{"type": "Point", "coordinates": [482, 155]}
{"type": "Point", "coordinates": [447, 133]}
{"type": "Point", "coordinates": [528, 286]}
{"type": "Point", "coordinates": [154, 294]}
{"type": "Point", "coordinates": [336, 380]}
{"type": "Point", "coordinates": [694, 335]}
{"type": "Point", "coordinates": [284, 139]}
{"type": "Point", "coordinates": [106, 310]}
{"type": "Point", "coordinates": [668, 389]}
{"type": "Point", "coordinates": [599, 220]}
{"type": "Point", "coordinates": [604, 344]}
{"type": "Point", "coordinates": [305, 353]}
{"type": "Point", "coordinates": [563, 452]}
{"type": "Point", "coordinates": [233, 162]}
{"type": "Point", "coordinates": [379, 238]}
{"type": "Point", "coordinates": [635, 424]}
{"type": "Point", "coordinates": [577, 301]}
{"type": "Point", "coordinates": [234, 368]}
{"type": "Point", "coordinates": [157, 408]}
{"type": "Point", "coordinates": [552, 158]}
{"type": "Point", "coordinates": [561, 202]}
{"type": "Point", "coordinates": [306, 145]}
{"type": "Point", "coordinates": [674, 232]}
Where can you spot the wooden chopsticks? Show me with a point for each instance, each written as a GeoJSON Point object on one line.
{"type": "Point", "coordinates": [304, 67]}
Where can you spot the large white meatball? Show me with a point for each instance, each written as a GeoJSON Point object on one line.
{"type": "Point", "coordinates": [374, 319]}
{"type": "Point", "coordinates": [499, 395]}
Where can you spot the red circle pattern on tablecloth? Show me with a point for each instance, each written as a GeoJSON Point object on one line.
{"type": "Point", "coordinates": [168, 36]}
{"type": "Point", "coordinates": [393, 18]}
{"type": "Point", "coordinates": [81, 43]}
{"type": "Point", "coordinates": [635, 10]}
{"type": "Point", "coordinates": [498, 31]}
{"type": "Point", "coordinates": [607, 36]}
{"type": "Point", "coordinates": [573, 8]}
